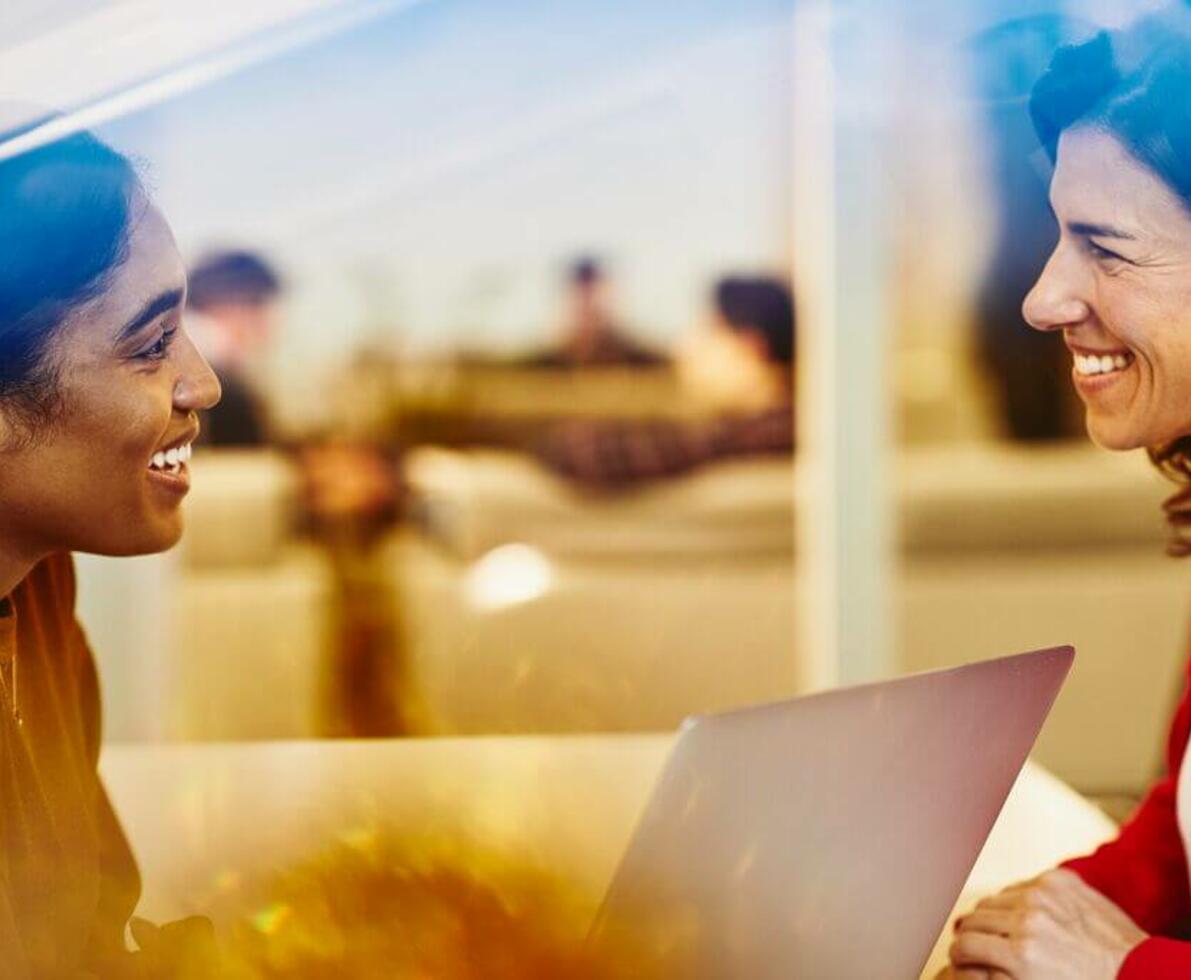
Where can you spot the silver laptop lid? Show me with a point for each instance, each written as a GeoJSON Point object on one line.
{"type": "Point", "coordinates": [829, 836]}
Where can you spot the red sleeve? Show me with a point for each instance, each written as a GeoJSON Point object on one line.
{"type": "Point", "coordinates": [1157, 959]}
{"type": "Point", "coordinates": [1144, 870]}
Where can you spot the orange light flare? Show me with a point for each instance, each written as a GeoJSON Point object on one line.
{"type": "Point", "coordinates": [378, 905]}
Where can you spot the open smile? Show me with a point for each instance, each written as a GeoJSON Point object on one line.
{"type": "Point", "coordinates": [1090, 365]}
{"type": "Point", "coordinates": [169, 470]}
{"type": "Point", "coordinates": [1095, 371]}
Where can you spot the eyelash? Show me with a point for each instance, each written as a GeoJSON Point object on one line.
{"type": "Point", "coordinates": [1100, 252]}
{"type": "Point", "coordinates": [160, 349]}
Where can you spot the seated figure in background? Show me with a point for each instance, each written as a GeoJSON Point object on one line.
{"type": "Point", "coordinates": [231, 313]}
{"type": "Point", "coordinates": [753, 347]}
{"type": "Point", "coordinates": [591, 335]}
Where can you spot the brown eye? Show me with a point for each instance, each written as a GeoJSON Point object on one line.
{"type": "Point", "coordinates": [160, 349]}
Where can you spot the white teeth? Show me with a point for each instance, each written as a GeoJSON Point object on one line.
{"type": "Point", "coordinates": [1091, 364]}
{"type": "Point", "coordinates": [171, 460]}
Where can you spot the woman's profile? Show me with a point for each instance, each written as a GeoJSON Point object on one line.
{"type": "Point", "coordinates": [99, 390]}
{"type": "Point", "coordinates": [1115, 116]}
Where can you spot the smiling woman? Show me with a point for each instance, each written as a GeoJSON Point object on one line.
{"type": "Point", "coordinates": [99, 389]}
{"type": "Point", "coordinates": [1115, 116]}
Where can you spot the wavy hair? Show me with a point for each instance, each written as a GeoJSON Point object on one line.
{"type": "Point", "coordinates": [1136, 86]}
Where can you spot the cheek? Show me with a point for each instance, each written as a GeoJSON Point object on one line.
{"type": "Point", "coordinates": [1145, 327]}
{"type": "Point", "coordinates": [1156, 325]}
{"type": "Point", "coordinates": [128, 427]}
{"type": "Point", "coordinates": [1162, 338]}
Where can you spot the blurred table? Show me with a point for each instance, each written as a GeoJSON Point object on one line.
{"type": "Point", "coordinates": [206, 820]}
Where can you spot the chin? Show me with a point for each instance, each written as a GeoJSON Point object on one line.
{"type": "Point", "coordinates": [1115, 437]}
{"type": "Point", "coordinates": [162, 541]}
{"type": "Point", "coordinates": [151, 541]}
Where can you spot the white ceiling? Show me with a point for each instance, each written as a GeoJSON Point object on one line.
{"type": "Point", "coordinates": [21, 20]}
{"type": "Point", "coordinates": [63, 54]}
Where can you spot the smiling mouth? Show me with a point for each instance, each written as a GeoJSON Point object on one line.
{"type": "Point", "coordinates": [1092, 365]}
{"type": "Point", "coordinates": [171, 461]}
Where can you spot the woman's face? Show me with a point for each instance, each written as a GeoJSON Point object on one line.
{"type": "Point", "coordinates": [130, 385]}
{"type": "Point", "coordinates": [1118, 286]}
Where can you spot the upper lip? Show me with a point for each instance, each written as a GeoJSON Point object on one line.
{"type": "Point", "coordinates": [188, 436]}
{"type": "Point", "coordinates": [1076, 349]}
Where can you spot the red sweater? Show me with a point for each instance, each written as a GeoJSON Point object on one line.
{"type": "Point", "coordinates": [1144, 870]}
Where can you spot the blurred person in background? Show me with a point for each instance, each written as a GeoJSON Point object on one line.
{"type": "Point", "coordinates": [100, 390]}
{"type": "Point", "coordinates": [591, 334]}
{"type": "Point", "coordinates": [1115, 116]}
{"type": "Point", "coordinates": [232, 312]}
{"type": "Point", "coordinates": [746, 359]}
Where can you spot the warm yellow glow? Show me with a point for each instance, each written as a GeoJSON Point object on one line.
{"type": "Point", "coordinates": [380, 906]}
{"type": "Point", "coordinates": [507, 576]}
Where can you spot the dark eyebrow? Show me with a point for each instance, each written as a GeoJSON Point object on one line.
{"type": "Point", "coordinates": [163, 303]}
{"type": "Point", "coordinates": [1088, 230]}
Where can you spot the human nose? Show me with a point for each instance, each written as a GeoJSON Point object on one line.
{"type": "Point", "coordinates": [1056, 301]}
{"type": "Point", "coordinates": [197, 387]}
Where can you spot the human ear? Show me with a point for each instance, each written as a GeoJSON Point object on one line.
{"type": "Point", "coordinates": [15, 430]}
{"type": "Point", "coordinates": [7, 430]}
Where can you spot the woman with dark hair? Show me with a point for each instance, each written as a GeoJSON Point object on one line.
{"type": "Point", "coordinates": [99, 390]}
{"type": "Point", "coordinates": [1115, 116]}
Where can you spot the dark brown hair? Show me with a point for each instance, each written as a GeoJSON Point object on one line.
{"type": "Point", "coordinates": [1136, 87]}
{"type": "Point", "coordinates": [65, 215]}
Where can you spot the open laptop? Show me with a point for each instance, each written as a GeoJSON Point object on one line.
{"type": "Point", "coordinates": [828, 836]}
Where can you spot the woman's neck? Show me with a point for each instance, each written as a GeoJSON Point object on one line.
{"type": "Point", "coordinates": [12, 570]}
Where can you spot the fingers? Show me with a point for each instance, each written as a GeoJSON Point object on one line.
{"type": "Point", "coordinates": [1026, 902]}
{"type": "Point", "coordinates": [1009, 899]}
{"type": "Point", "coordinates": [994, 921]}
{"type": "Point", "coordinates": [970, 973]}
{"type": "Point", "coordinates": [972, 950]}
{"type": "Point", "coordinates": [145, 933]}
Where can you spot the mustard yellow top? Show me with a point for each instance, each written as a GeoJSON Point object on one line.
{"type": "Point", "coordinates": [68, 881]}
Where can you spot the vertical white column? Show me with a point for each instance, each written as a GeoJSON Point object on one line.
{"type": "Point", "coordinates": [842, 252]}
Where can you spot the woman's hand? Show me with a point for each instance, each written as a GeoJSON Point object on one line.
{"type": "Point", "coordinates": [1052, 927]}
{"type": "Point", "coordinates": [182, 950]}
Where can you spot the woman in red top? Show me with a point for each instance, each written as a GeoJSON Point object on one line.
{"type": "Point", "coordinates": [1115, 116]}
{"type": "Point", "coordinates": [99, 390]}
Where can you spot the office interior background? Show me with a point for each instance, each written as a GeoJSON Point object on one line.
{"type": "Point", "coordinates": [457, 517]}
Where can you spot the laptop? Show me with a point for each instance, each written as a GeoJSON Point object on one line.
{"type": "Point", "coordinates": [829, 836]}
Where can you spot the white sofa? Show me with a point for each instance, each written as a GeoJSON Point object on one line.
{"type": "Point", "coordinates": [629, 612]}
{"type": "Point", "coordinates": [252, 607]}
{"type": "Point", "coordinates": [642, 608]}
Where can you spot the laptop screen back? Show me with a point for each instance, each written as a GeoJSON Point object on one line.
{"type": "Point", "coordinates": [829, 836]}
